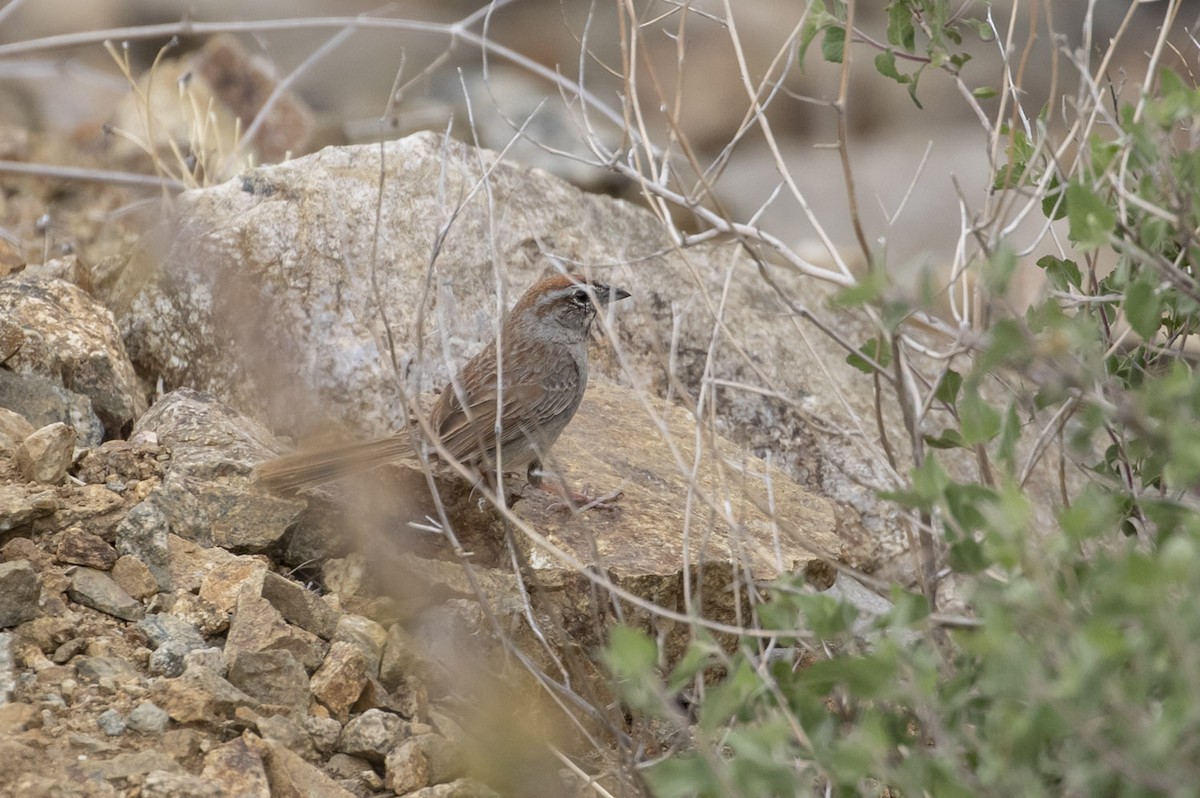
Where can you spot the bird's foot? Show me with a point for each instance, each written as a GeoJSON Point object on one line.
{"type": "Point", "coordinates": [580, 501]}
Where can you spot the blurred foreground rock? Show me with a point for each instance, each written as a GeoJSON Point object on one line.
{"type": "Point", "coordinates": [71, 340]}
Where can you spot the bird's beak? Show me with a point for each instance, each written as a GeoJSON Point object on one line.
{"type": "Point", "coordinates": [612, 294]}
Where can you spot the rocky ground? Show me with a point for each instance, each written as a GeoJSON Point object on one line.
{"type": "Point", "coordinates": [167, 627]}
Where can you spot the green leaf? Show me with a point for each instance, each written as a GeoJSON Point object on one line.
{"type": "Point", "coordinates": [998, 270]}
{"type": "Point", "coordinates": [1010, 433]}
{"type": "Point", "coordinates": [868, 289]}
{"type": "Point", "coordinates": [684, 775]}
{"type": "Point", "coordinates": [912, 87]}
{"type": "Point", "coordinates": [985, 92]}
{"type": "Point", "coordinates": [833, 44]}
{"type": "Point", "coordinates": [1090, 220]}
{"type": "Point", "coordinates": [818, 19]}
{"type": "Point", "coordinates": [730, 698]}
{"type": "Point", "coordinates": [885, 64]}
{"type": "Point", "coordinates": [980, 421]}
{"type": "Point", "coordinates": [699, 655]}
{"type": "Point", "coordinates": [900, 30]}
{"type": "Point", "coordinates": [1062, 274]}
{"type": "Point", "coordinates": [630, 651]}
{"type": "Point", "coordinates": [949, 439]}
{"type": "Point", "coordinates": [1054, 207]}
{"type": "Point", "coordinates": [948, 388]}
{"type": "Point", "coordinates": [1143, 308]}
{"type": "Point", "coordinates": [874, 349]}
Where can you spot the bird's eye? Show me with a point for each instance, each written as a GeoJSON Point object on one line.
{"type": "Point", "coordinates": [580, 297]}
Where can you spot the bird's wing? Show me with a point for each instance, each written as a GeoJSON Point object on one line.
{"type": "Point", "coordinates": [528, 407]}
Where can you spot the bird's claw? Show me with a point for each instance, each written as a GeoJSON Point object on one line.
{"type": "Point", "coordinates": [581, 501]}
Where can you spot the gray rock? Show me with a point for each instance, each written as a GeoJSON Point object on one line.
{"type": "Point", "coordinates": [299, 605]}
{"type": "Point", "coordinates": [212, 658]}
{"type": "Point", "coordinates": [324, 732]}
{"type": "Point", "coordinates": [291, 775]}
{"type": "Point", "coordinates": [105, 669]}
{"type": "Point", "coordinates": [161, 628]}
{"type": "Point", "coordinates": [41, 401]}
{"type": "Point", "coordinates": [238, 770]}
{"type": "Point", "coordinates": [143, 534]}
{"type": "Point", "coordinates": [21, 504]}
{"type": "Point", "coordinates": [126, 766]}
{"type": "Point", "coordinates": [169, 659]}
{"type": "Point", "coordinates": [166, 784]}
{"type": "Point", "coordinates": [368, 636]}
{"type": "Point", "coordinates": [201, 696]}
{"type": "Point", "coordinates": [148, 719]}
{"type": "Point", "coordinates": [71, 337]}
{"type": "Point", "coordinates": [46, 455]}
{"type": "Point", "coordinates": [372, 735]}
{"type": "Point", "coordinates": [287, 732]}
{"type": "Point", "coordinates": [111, 723]}
{"type": "Point", "coordinates": [272, 677]}
{"type": "Point", "coordinates": [13, 429]}
{"type": "Point", "coordinates": [209, 491]}
{"type": "Point", "coordinates": [258, 626]}
{"type": "Point", "coordinates": [20, 588]}
{"type": "Point", "coordinates": [97, 590]}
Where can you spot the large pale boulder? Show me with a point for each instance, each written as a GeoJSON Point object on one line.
{"type": "Point", "coordinates": [282, 295]}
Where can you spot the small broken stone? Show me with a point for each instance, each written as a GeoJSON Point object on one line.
{"type": "Point", "coordinates": [273, 677]}
{"type": "Point", "coordinates": [97, 590]}
{"type": "Point", "coordinates": [148, 718]}
{"type": "Point", "coordinates": [46, 455]}
{"type": "Point", "coordinates": [20, 589]}
{"type": "Point", "coordinates": [111, 723]}
{"type": "Point", "coordinates": [340, 680]}
{"type": "Point", "coordinates": [134, 577]}
{"type": "Point", "coordinates": [372, 735]}
{"type": "Point", "coordinates": [299, 605]}
{"type": "Point", "coordinates": [79, 547]}
{"type": "Point", "coordinates": [143, 534]}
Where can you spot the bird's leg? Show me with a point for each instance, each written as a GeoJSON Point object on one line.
{"type": "Point", "coordinates": [570, 499]}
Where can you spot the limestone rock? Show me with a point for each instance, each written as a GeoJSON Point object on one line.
{"type": "Point", "coordinates": [288, 733]}
{"type": "Point", "coordinates": [46, 455]}
{"type": "Point", "coordinates": [237, 770]}
{"type": "Point", "coordinates": [148, 719]}
{"type": "Point", "coordinates": [42, 401]}
{"type": "Point", "coordinates": [200, 695]}
{"type": "Point", "coordinates": [20, 588]}
{"type": "Point", "coordinates": [372, 735]}
{"type": "Point", "coordinates": [299, 605]}
{"type": "Point", "coordinates": [406, 768]}
{"type": "Point", "coordinates": [340, 680]}
{"type": "Point", "coordinates": [258, 626]}
{"type": "Point", "coordinates": [227, 579]}
{"type": "Point", "coordinates": [134, 577]}
{"type": "Point", "coordinates": [13, 429]}
{"type": "Point", "coordinates": [367, 635]}
{"type": "Point", "coordinates": [271, 677]}
{"type": "Point", "coordinates": [209, 492]}
{"type": "Point", "coordinates": [290, 775]}
{"type": "Point", "coordinates": [143, 534]}
{"type": "Point", "coordinates": [97, 590]}
{"type": "Point", "coordinates": [459, 788]}
{"type": "Point", "coordinates": [21, 504]}
{"type": "Point", "coordinates": [67, 334]}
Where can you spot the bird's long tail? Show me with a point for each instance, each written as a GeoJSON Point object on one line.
{"type": "Point", "coordinates": [302, 470]}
